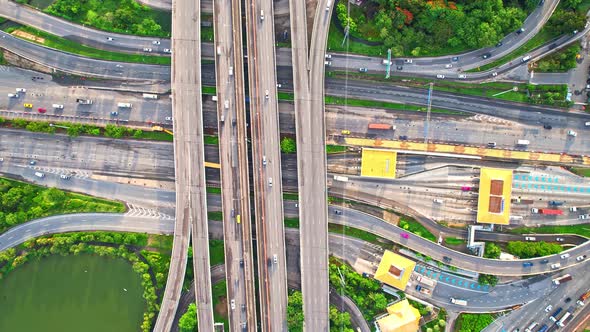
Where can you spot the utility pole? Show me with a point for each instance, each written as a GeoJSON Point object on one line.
{"type": "Point", "coordinates": [429, 107]}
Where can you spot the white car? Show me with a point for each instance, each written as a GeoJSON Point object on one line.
{"type": "Point", "coordinates": [572, 133]}
{"type": "Point", "coordinates": [13, 95]}
{"type": "Point", "coordinates": [440, 76]}
{"type": "Point", "coordinates": [581, 258]}
{"type": "Point", "coordinates": [110, 38]}
{"type": "Point", "coordinates": [21, 90]}
{"type": "Point", "coordinates": [408, 61]}
{"type": "Point", "coordinates": [328, 56]}
{"type": "Point", "coordinates": [534, 210]}
{"type": "Point", "coordinates": [548, 308]}
{"type": "Point", "coordinates": [156, 42]}
{"type": "Point", "coordinates": [583, 216]}
{"type": "Point", "coordinates": [167, 50]}
{"type": "Point", "coordinates": [65, 177]}
{"type": "Point", "coordinates": [233, 304]}
{"type": "Point", "coordinates": [494, 74]}
{"type": "Point", "coordinates": [559, 239]}
{"type": "Point", "coordinates": [565, 256]}
{"type": "Point", "coordinates": [463, 76]}
{"type": "Point", "coordinates": [58, 106]}
{"type": "Point", "coordinates": [147, 49]}
{"type": "Point", "coordinates": [168, 118]}
{"type": "Point", "coordinates": [587, 124]}
{"type": "Point", "coordinates": [448, 65]}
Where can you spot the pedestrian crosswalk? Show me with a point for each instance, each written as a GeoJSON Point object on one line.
{"type": "Point", "coordinates": [75, 173]}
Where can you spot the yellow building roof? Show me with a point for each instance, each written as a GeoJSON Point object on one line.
{"type": "Point", "coordinates": [402, 318]}
{"type": "Point", "coordinates": [394, 270]}
{"type": "Point", "coordinates": [495, 189]}
{"type": "Point", "coordinates": [378, 163]}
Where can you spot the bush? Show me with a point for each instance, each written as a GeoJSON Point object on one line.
{"type": "Point", "coordinates": [288, 145]}
{"type": "Point", "coordinates": [486, 279]}
{"type": "Point", "coordinates": [188, 321]}
{"type": "Point", "coordinates": [532, 249]}
{"type": "Point", "coordinates": [492, 251]}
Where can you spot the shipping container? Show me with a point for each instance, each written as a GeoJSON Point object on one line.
{"type": "Point", "coordinates": [553, 212]}
{"type": "Point", "coordinates": [380, 126]}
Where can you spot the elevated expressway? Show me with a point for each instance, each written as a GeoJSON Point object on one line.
{"type": "Point", "coordinates": [266, 165]}
{"type": "Point", "coordinates": [189, 158]}
{"type": "Point", "coordinates": [233, 157]}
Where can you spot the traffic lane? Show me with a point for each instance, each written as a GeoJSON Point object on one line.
{"type": "Point", "coordinates": [81, 65]}
{"type": "Point", "coordinates": [471, 263]}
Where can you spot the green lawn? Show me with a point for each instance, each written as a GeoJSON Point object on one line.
{"type": "Point", "coordinates": [335, 38]}
{"type": "Point", "coordinates": [213, 190]}
{"type": "Point", "coordinates": [209, 90]}
{"type": "Point", "coordinates": [383, 104]}
{"type": "Point", "coordinates": [66, 45]}
{"type": "Point", "coordinates": [292, 222]}
{"type": "Point", "coordinates": [291, 196]}
{"type": "Point", "coordinates": [582, 229]}
{"type": "Point", "coordinates": [219, 294]}
{"type": "Point", "coordinates": [21, 202]}
{"type": "Point", "coordinates": [452, 241]}
{"type": "Point", "coordinates": [335, 148]}
{"type": "Point", "coordinates": [354, 232]}
{"type": "Point", "coordinates": [162, 242]}
{"type": "Point", "coordinates": [211, 140]}
{"type": "Point", "coordinates": [581, 171]}
{"type": "Point", "coordinates": [156, 136]}
{"type": "Point", "coordinates": [216, 252]}
{"type": "Point", "coordinates": [415, 227]}
{"type": "Point", "coordinates": [215, 215]}
{"type": "Point", "coordinates": [539, 39]}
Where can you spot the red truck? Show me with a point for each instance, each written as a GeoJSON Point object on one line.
{"type": "Point", "coordinates": [380, 126]}
{"type": "Point", "coordinates": [583, 298]}
{"type": "Point", "coordinates": [553, 212]}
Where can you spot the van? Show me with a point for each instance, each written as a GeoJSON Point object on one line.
{"type": "Point", "coordinates": [231, 71]}
{"type": "Point", "coordinates": [555, 266]}
{"type": "Point", "coordinates": [262, 15]}
{"type": "Point", "coordinates": [226, 103]}
{"type": "Point", "coordinates": [124, 105]}
{"type": "Point", "coordinates": [214, 98]}
{"type": "Point", "coordinates": [534, 210]}
{"type": "Point", "coordinates": [530, 238]}
{"type": "Point", "coordinates": [58, 106]}
{"type": "Point", "coordinates": [150, 96]}
{"type": "Point", "coordinates": [39, 174]}
{"type": "Point", "coordinates": [438, 201]}
{"type": "Point", "coordinates": [526, 58]}
{"type": "Point", "coordinates": [222, 119]}
{"type": "Point", "coordinates": [218, 50]}
{"type": "Point", "coordinates": [328, 5]}
{"type": "Point", "coordinates": [531, 327]}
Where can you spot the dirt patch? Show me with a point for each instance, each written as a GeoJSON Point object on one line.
{"type": "Point", "coordinates": [221, 307]}
{"type": "Point", "coordinates": [391, 217]}
{"type": "Point", "coordinates": [17, 61]}
{"type": "Point", "coordinates": [28, 36]}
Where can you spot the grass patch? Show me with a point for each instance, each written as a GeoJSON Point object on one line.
{"type": "Point", "coordinates": [581, 229]}
{"type": "Point", "coordinates": [220, 303]}
{"type": "Point", "coordinates": [292, 222]}
{"type": "Point", "coordinates": [290, 196]}
{"type": "Point", "coordinates": [335, 148]}
{"type": "Point", "coordinates": [215, 215]}
{"type": "Point", "coordinates": [542, 37]}
{"type": "Point", "coordinates": [354, 232]}
{"type": "Point", "coordinates": [287, 96]}
{"type": "Point", "coordinates": [21, 202]}
{"type": "Point", "coordinates": [581, 171]}
{"type": "Point", "coordinates": [66, 45]}
{"type": "Point", "coordinates": [211, 140]}
{"type": "Point", "coordinates": [415, 227]}
{"type": "Point", "coordinates": [213, 190]}
{"type": "Point", "coordinates": [335, 38]}
{"type": "Point", "coordinates": [560, 61]}
{"type": "Point", "coordinates": [473, 322]}
{"type": "Point", "coordinates": [3, 61]}
{"type": "Point", "coordinates": [216, 252]}
{"type": "Point", "coordinates": [209, 90]}
{"type": "Point", "coordinates": [162, 242]}
{"type": "Point", "coordinates": [122, 16]}
{"type": "Point", "coordinates": [453, 241]}
{"type": "Point", "coordinates": [156, 136]}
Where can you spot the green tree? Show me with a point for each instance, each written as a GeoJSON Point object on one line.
{"type": "Point", "coordinates": [295, 311]}
{"type": "Point", "coordinates": [492, 251]}
{"type": "Point", "coordinates": [486, 279]}
{"type": "Point", "coordinates": [188, 321]}
{"type": "Point", "coordinates": [288, 145]}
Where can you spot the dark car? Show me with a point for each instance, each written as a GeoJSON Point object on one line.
{"type": "Point", "coordinates": [499, 44]}
{"type": "Point", "coordinates": [418, 287]}
{"type": "Point", "coordinates": [544, 261]}
{"type": "Point", "coordinates": [455, 58]}
{"type": "Point", "coordinates": [519, 31]}
{"type": "Point", "coordinates": [568, 299]}
{"type": "Point", "coordinates": [547, 126]}
{"type": "Point", "coordinates": [447, 259]}
{"type": "Point", "coordinates": [552, 46]}
{"type": "Point", "coordinates": [403, 137]}
{"type": "Point", "coordinates": [527, 264]}
{"type": "Point", "coordinates": [338, 212]}
{"type": "Point", "coordinates": [399, 67]}
{"type": "Point", "coordinates": [486, 55]}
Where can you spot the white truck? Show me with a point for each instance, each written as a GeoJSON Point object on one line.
{"type": "Point", "coordinates": [124, 105]}
{"type": "Point", "coordinates": [84, 101]}
{"type": "Point", "coordinates": [150, 96]}
{"type": "Point", "coordinates": [426, 281]}
{"type": "Point", "coordinates": [523, 142]}
{"type": "Point", "coordinates": [458, 301]}
{"type": "Point", "coordinates": [340, 178]}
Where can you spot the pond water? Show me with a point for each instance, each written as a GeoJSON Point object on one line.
{"type": "Point", "coordinates": [73, 293]}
